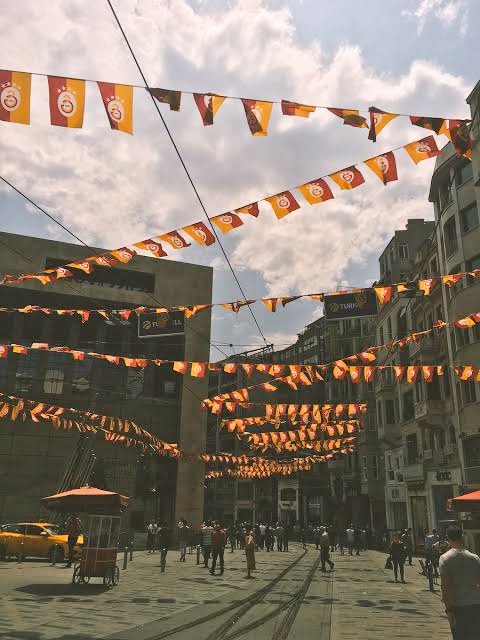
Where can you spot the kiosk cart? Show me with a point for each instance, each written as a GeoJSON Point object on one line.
{"type": "Point", "coordinates": [101, 530]}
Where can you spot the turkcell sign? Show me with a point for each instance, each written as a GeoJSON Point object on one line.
{"type": "Point", "coordinates": [156, 325]}
{"type": "Point", "coordinates": [358, 304]}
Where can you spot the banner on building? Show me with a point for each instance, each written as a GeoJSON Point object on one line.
{"type": "Point", "coordinates": [156, 325]}
{"type": "Point", "coordinates": [356, 304]}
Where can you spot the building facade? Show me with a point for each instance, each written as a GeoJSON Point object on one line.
{"type": "Point", "coordinates": [35, 460]}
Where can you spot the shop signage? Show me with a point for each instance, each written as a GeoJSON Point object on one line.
{"type": "Point", "coordinates": [156, 325]}
{"type": "Point", "coordinates": [359, 304]}
{"type": "Point", "coordinates": [443, 476]}
{"type": "Point", "coordinates": [396, 494]}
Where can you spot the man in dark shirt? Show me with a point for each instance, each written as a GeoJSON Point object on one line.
{"type": "Point", "coordinates": [74, 529]}
{"type": "Point", "coordinates": [219, 540]}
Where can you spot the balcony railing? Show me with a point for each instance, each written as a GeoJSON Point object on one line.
{"type": "Point", "coordinates": [427, 346]}
{"type": "Point", "coordinates": [414, 474]}
{"type": "Point", "coordinates": [428, 407]}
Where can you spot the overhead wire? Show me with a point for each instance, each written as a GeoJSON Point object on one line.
{"type": "Point", "coordinates": [187, 173]}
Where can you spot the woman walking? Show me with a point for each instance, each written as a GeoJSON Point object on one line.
{"type": "Point", "coordinates": [398, 553]}
{"type": "Point", "coordinates": [250, 551]}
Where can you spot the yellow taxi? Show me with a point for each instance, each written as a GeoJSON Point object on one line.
{"type": "Point", "coordinates": [35, 540]}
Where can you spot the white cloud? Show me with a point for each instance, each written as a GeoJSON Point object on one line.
{"type": "Point", "coordinates": [112, 189]}
{"type": "Point", "coordinates": [449, 13]}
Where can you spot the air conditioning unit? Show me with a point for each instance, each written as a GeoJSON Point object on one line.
{"type": "Point", "coordinates": [427, 454]}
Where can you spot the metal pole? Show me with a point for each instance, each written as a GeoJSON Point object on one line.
{"type": "Point", "coordinates": [125, 558]}
{"type": "Point", "coordinates": [131, 551]}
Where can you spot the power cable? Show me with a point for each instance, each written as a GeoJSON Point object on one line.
{"type": "Point", "coordinates": [182, 162]}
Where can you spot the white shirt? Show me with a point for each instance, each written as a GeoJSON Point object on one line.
{"type": "Point", "coordinates": [350, 535]}
{"type": "Point", "coordinates": [152, 528]}
{"type": "Point", "coordinates": [262, 528]}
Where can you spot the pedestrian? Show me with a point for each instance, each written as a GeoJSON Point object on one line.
{"type": "Point", "coordinates": [430, 540]}
{"type": "Point", "coordinates": [151, 535]}
{"type": "Point", "coordinates": [357, 538]}
{"type": "Point", "coordinates": [303, 537]}
{"type": "Point", "coordinates": [286, 536]}
{"type": "Point", "coordinates": [163, 541]}
{"type": "Point", "coordinates": [325, 549]}
{"type": "Point", "coordinates": [261, 530]}
{"type": "Point", "coordinates": [279, 533]}
{"type": "Point", "coordinates": [249, 545]}
{"type": "Point", "coordinates": [256, 531]}
{"type": "Point", "coordinates": [232, 537]}
{"type": "Point", "coordinates": [398, 555]}
{"type": "Point", "coordinates": [342, 537]}
{"type": "Point", "coordinates": [363, 539]}
{"type": "Point", "coordinates": [219, 540]}
{"type": "Point", "coordinates": [460, 582]}
{"type": "Point", "coordinates": [408, 542]}
{"type": "Point", "coordinates": [332, 535]}
{"type": "Point", "coordinates": [206, 532]}
{"type": "Point", "coordinates": [316, 537]}
{"type": "Point", "coordinates": [269, 538]}
{"type": "Point", "coordinates": [183, 532]}
{"type": "Point", "coordinates": [240, 536]}
{"type": "Point", "coordinates": [74, 529]}
{"type": "Point", "coordinates": [350, 539]}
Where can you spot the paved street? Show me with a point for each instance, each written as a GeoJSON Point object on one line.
{"type": "Point", "coordinates": [289, 597]}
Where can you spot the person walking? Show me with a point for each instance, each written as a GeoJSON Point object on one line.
{"type": "Point", "coordinates": [358, 541]}
{"type": "Point", "coordinates": [163, 540]}
{"type": "Point", "coordinates": [430, 540]}
{"type": "Point", "coordinates": [286, 536]}
{"type": "Point", "coordinates": [460, 583]}
{"type": "Point", "coordinates": [350, 539]}
{"type": "Point", "coordinates": [279, 533]}
{"type": "Point", "coordinates": [332, 535]}
{"type": "Point", "coordinates": [408, 543]}
{"type": "Point", "coordinates": [232, 537]}
{"type": "Point", "coordinates": [183, 532]}
{"type": "Point", "coordinates": [325, 549]}
{"type": "Point", "coordinates": [303, 537]}
{"type": "Point", "coordinates": [219, 540]}
{"type": "Point", "coordinates": [316, 536]}
{"type": "Point", "coordinates": [206, 531]}
{"type": "Point", "coordinates": [151, 535]}
{"type": "Point", "coordinates": [398, 554]}
{"type": "Point", "coordinates": [74, 529]}
{"type": "Point", "coordinates": [249, 546]}
{"type": "Point", "coordinates": [261, 530]}
{"type": "Point", "coordinates": [342, 537]}
{"type": "Point", "coordinates": [269, 538]}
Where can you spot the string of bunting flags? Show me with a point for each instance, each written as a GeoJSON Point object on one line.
{"type": "Point", "coordinates": [67, 107]}
{"type": "Point", "coordinates": [314, 192]}
{"type": "Point", "coordinates": [383, 294]}
{"type": "Point", "coordinates": [336, 427]}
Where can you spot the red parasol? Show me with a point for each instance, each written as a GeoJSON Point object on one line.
{"type": "Point", "coordinates": [467, 502]}
{"type": "Point", "coordinates": [87, 500]}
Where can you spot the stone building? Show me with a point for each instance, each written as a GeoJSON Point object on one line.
{"type": "Point", "coordinates": [35, 460]}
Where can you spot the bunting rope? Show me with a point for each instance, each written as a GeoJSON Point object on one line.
{"type": "Point", "coordinates": [337, 427]}
{"type": "Point", "coordinates": [283, 203]}
{"type": "Point", "coordinates": [383, 294]}
{"type": "Point", "coordinates": [67, 106]}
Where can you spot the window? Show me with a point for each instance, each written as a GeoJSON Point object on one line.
{"type": "Point", "coordinates": [390, 412]}
{"type": "Point", "coordinates": [25, 375]}
{"type": "Point", "coordinates": [390, 330]}
{"type": "Point", "coordinates": [81, 376]}
{"type": "Point", "coordinates": [450, 236]}
{"type": "Point", "coordinates": [379, 413]}
{"type": "Point", "coordinates": [33, 530]}
{"type": "Point", "coordinates": [462, 337]}
{"type": "Point", "coordinates": [375, 467]}
{"type": "Point", "coordinates": [245, 491]}
{"type": "Point", "coordinates": [469, 217]}
{"type": "Point", "coordinates": [444, 194]}
{"type": "Point", "coordinates": [403, 250]}
{"type": "Point", "coordinates": [365, 467]}
{"type": "Point", "coordinates": [464, 173]}
{"type": "Point", "coordinates": [433, 267]}
{"type": "Point", "coordinates": [55, 373]}
{"type": "Point", "coordinates": [438, 312]}
{"type": "Point", "coordinates": [412, 448]}
{"type": "Point", "coordinates": [469, 392]}
{"type": "Point", "coordinates": [382, 337]}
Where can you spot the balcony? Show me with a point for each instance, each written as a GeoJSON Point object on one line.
{"type": "Point", "coordinates": [472, 475]}
{"type": "Point", "coordinates": [428, 346]}
{"type": "Point", "coordinates": [426, 408]}
{"type": "Point", "coordinates": [414, 475]}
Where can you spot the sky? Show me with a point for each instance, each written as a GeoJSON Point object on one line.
{"type": "Point", "coordinates": [111, 189]}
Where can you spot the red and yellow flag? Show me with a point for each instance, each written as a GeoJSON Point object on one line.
{"type": "Point", "coordinates": [452, 279]}
{"type": "Point", "coordinates": [296, 109]}
{"type": "Point", "coordinates": [348, 178]}
{"type": "Point", "coordinates": [175, 240]}
{"type": "Point", "coordinates": [433, 124]}
{"type": "Point", "coordinates": [351, 117]}
{"type": "Point", "coordinates": [422, 149]}
{"type": "Point", "coordinates": [124, 254]}
{"type": "Point", "coordinates": [67, 102]}
{"type": "Point", "coordinates": [208, 104]}
{"type": "Point", "coordinates": [200, 233]}
{"type": "Point", "coordinates": [167, 96]}
{"type": "Point", "coordinates": [384, 166]}
{"type": "Point", "coordinates": [459, 134]}
{"type": "Point", "coordinates": [258, 115]}
{"type": "Point", "coordinates": [250, 209]}
{"type": "Point", "coordinates": [427, 285]}
{"type": "Point", "coordinates": [227, 221]}
{"type": "Point", "coordinates": [316, 191]}
{"type": "Point", "coordinates": [283, 204]}
{"type": "Point", "coordinates": [378, 120]}
{"type": "Point", "coordinates": [153, 246]}
{"type": "Point", "coordinates": [15, 88]}
{"type": "Point", "coordinates": [118, 102]}
{"type": "Point", "coordinates": [198, 369]}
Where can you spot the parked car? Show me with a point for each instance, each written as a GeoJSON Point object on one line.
{"type": "Point", "coordinates": [35, 540]}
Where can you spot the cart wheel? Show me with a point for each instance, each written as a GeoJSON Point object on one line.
{"type": "Point", "coordinates": [77, 577]}
{"type": "Point", "coordinates": [116, 576]}
{"type": "Point", "coordinates": [108, 577]}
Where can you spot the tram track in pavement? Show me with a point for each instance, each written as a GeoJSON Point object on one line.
{"type": "Point", "coordinates": [228, 629]}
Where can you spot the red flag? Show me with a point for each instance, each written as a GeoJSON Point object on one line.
{"type": "Point", "coordinates": [296, 109]}
{"type": "Point", "coordinates": [434, 124]}
{"type": "Point", "coordinates": [208, 104]}
{"type": "Point", "coordinates": [258, 115]}
{"type": "Point", "coordinates": [459, 134]}
{"type": "Point", "coordinates": [378, 120]}
{"type": "Point", "coordinates": [200, 233]}
{"type": "Point", "coordinates": [15, 88]}
{"type": "Point", "coordinates": [384, 294]}
{"type": "Point", "coordinates": [166, 96]}
{"type": "Point", "coordinates": [118, 102]}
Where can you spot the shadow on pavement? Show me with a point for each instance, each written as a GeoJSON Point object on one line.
{"type": "Point", "coordinates": [63, 589]}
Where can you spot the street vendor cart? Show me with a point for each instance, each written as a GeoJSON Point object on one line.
{"type": "Point", "coordinates": [102, 511]}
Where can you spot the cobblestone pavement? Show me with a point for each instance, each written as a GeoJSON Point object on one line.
{"type": "Point", "coordinates": [358, 600]}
